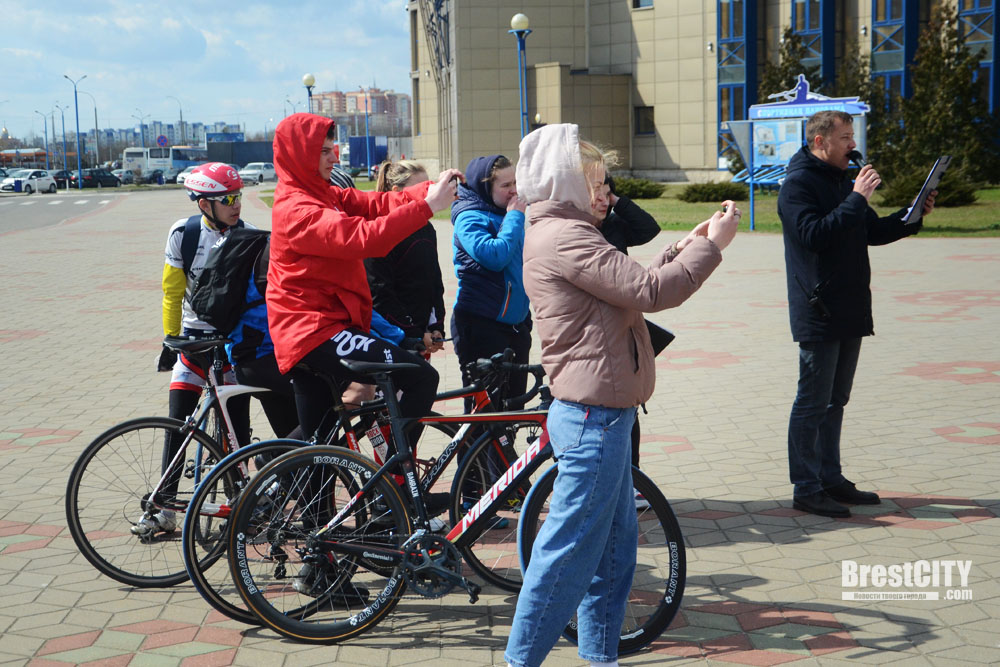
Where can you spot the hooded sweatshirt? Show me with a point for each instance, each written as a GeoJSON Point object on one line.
{"type": "Point", "coordinates": [587, 296]}
{"type": "Point", "coordinates": [488, 244]}
{"type": "Point", "coordinates": [320, 236]}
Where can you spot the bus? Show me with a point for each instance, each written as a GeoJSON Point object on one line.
{"type": "Point", "coordinates": [172, 158]}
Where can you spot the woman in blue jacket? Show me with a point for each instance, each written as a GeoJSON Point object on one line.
{"type": "Point", "coordinates": [491, 308]}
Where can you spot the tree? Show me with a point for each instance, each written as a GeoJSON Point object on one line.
{"type": "Point", "coordinates": [854, 79]}
{"type": "Point", "coordinates": [946, 113]}
{"type": "Point", "coordinates": [784, 75]}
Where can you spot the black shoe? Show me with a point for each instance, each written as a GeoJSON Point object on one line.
{"type": "Point", "coordinates": [436, 503]}
{"type": "Point", "coordinates": [821, 504]}
{"type": "Point", "coordinates": [846, 492]}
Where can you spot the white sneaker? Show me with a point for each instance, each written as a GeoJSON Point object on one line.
{"type": "Point", "coordinates": [640, 502]}
{"type": "Point", "coordinates": [163, 521]}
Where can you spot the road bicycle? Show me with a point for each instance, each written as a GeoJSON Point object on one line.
{"type": "Point", "coordinates": [322, 544]}
{"type": "Point", "coordinates": [493, 556]}
{"type": "Point", "coordinates": [120, 477]}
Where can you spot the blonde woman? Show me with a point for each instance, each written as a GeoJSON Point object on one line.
{"type": "Point", "coordinates": [406, 284]}
{"type": "Point", "coordinates": [588, 300]}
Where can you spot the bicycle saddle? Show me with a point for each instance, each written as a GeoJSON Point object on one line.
{"type": "Point", "coordinates": [373, 367]}
{"type": "Point", "coordinates": [194, 345]}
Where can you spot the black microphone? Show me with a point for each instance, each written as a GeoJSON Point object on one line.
{"type": "Point", "coordinates": [856, 158]}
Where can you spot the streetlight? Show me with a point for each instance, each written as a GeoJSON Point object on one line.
{"type": "Point", "coordinates": [171, 97]}
{"type": "Point", "coordinates": [45, 128]}
{"type": "Point", "coordinates": [309, 81]}
{"type": "Point", "coordinates": [368, 145]}
{"type": "Point", "coordinates": [76, 107]}
{"type": "Point", "coordinates": [62, 113]}
{"type": "Point", "coordinates": [519, 28]}
{"type": "Point", "coordinates": [142, 127]}
{"type": "Point", "coordinates": [292, 104]}
{"type": "Point", "coordinates": [269, 120]}
{"type": "Point", "coordinates": [97, 132]}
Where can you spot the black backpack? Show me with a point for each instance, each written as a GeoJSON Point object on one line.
{"type": "Point", "coordinates": [218, 296]}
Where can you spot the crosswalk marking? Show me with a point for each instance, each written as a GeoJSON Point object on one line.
{"type": "Point", "coordinates": [80, 201]}
{"type": "Point", "coordinates": [104, 201]}
{"type": "Point", "coordinates": [57, 201]}
{"type": "Point", "coordinates": [27, 203]}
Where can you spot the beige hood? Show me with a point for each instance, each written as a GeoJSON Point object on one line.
{"type": "Point", "coordinates": [549, 168]}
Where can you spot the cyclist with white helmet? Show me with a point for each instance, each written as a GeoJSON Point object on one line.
{"type": "Point", "coordinates": [216, 188]}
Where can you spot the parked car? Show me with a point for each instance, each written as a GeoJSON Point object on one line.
{"type": "Point", "coordinates": [125, 176]}
{"type": "Point", "coordinates": [258, 172]}
{"type": "Point", "coordinates": [95, 178]}
{"type": "Point", "coordinates": [62, 177]}
{"type": "Point", "coordinates": [150, 177]}
{"type": "Point", "coordinates": [3, 173]}
{"type": "Point", "coordinates": [170, 174]}
{"type": "Point", "coordinates": [32, 180]}
{"type": "Point", "coordinates": [187, 170]}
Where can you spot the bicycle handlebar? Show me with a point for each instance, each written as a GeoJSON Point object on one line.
{"type": "Point", "coordinates": [501, 362]}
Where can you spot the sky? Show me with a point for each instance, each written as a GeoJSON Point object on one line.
{"type": "Point", "coordinates": [224, 61]}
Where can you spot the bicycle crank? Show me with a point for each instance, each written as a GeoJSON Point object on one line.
{"type": "Point", "coordinates": [432, 567]}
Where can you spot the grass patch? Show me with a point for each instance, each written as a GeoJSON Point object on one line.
{"type": "Point", "coordinates": [979, 219]}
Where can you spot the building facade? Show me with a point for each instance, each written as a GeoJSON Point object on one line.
{"type": "Point", "coordinates": [652, 79]}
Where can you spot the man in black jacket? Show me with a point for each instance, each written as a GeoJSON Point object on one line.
{"type": "Point", "coordinates": [828, 225]}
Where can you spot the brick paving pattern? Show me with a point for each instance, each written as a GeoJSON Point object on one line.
{"type": "Point", "coordinates": [80, 332]}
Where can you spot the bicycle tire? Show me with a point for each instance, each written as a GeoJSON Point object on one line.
{"type": "Point", "coordinates": [271, 523]}
{"type": "Point", "coordinates": [493, 553]}
{"type": "Point", "coordinates": [205, 535]}
{"type": "Point", "coordinates": [658, 583]}
{"type": "Point", "coordinates": [106, 491]}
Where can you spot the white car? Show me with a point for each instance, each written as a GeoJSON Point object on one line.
{"type": "Point", "coordinates": [184, 174]}
{"type": "Point", "coordinates": [32, 180]}
{"type": "Point", "coordinates": [258, 172]}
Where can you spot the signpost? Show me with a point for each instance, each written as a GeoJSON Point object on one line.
{"type": "Point", "coordinates": [775, 131]}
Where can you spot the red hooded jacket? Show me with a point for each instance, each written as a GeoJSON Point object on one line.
{"type": "Point", "coordinates": [320, 235]}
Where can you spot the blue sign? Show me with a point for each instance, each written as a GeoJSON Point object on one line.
{"type": "Point", "coordinates": [799, 102]}
{"type": "Point", "coordinates": [161, 140]}
{"type": "Point", "coordinates": [221, 137]}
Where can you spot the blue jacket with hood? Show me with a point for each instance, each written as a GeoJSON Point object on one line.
{"type": "Point", "coordinates": [488, 246]}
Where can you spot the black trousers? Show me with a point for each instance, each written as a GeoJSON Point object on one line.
{"type": "Point", "coordinates": [314, 397]}
{"type": "Point", "coordinates": [477, 337]}
{"type": "Point", "coordinates": [279, 403]}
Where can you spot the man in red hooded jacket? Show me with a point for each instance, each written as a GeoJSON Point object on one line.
{"type": "Point", "coordinates": [318, 302]}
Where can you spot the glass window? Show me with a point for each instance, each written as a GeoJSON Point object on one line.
{"type": "Point", "coordinates": [639, 4]}
{"type": "Point", "coordinates": [644, 121]}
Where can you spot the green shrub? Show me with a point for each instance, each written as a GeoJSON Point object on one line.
{"type": "Point", "coordinates": [955, 189]}
{"type": "Point", "coordinates": [638, 188]}
{"type": "Point", "coordinates": [714, 192]}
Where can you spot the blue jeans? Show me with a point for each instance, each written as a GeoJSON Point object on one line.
{"type": "Point", "coordinates": [584, 555]}
{"type": "Point", "coordinates": [826, 374]}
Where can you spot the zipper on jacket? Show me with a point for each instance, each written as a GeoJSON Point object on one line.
{"type": "Point", "coordinates": [635, 349]}
{"type": "Point", "coordinates": [506, 302]}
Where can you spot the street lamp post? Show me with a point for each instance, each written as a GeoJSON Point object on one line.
{"type": "Point", "coordinates": [62, 114]}
{"type": "Point", "coordinates": [97, 132]}
{"type": "Point", "coordinates": [181, 109]}
{"type": "Point", "coordinates": [76, 107]}
{"type": "Point", "coordinates": [45, 128]}
{"type": "Point", "coordinates": [291, 104]}
{"type": "Point", "coordinates": [519, 28]}
{"type": "Point", "coordinates": [142, 125]}
{"type": "Point", "coordinates": [309, 81]}
{"type": "Point", "coordinates": [368, 143]}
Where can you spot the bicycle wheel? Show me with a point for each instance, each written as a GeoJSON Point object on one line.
{"type": "Point", "coordinates": [291, 578]}
{"type": "Point", "coordinates": [205, 535]}
{"type": "Point", "coordinates": [107, 492]}
{"type": "Point", "coordinates": [661, 566]}
{"type": "Point", "coordinates": [493, 553]}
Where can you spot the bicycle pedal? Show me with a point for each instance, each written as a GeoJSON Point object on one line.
{"type": "Point", "coordinates": [473, 590]}
{"type": "Point", "coordinates": [189, 469]}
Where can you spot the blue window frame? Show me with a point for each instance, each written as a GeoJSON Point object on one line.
{"type": "Point", "coordinates": [977, 23]}
{"type": "Point", "coordinates": [736, 63]}
{"type": "Point", "coordinates": [894, 42]}
{"type": "Point", "coordinates": [814, 20]}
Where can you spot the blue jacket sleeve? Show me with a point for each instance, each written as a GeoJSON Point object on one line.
{"type": "Point", "coordinates": [492, 251]}
{"type": "Point", "coordinates": [386, 331]}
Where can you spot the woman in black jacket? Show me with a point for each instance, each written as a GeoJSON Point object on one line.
{"type": "Point", "coordinates": [406, 284]}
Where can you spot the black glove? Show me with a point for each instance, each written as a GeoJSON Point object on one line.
{"type": "Point", "coordinates": [413, 344]}
{"type": "Point", "coordinates": [166, 360]}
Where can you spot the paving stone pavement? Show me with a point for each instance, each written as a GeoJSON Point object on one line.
{"type": "Point", "coordinates": [80, 331]}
